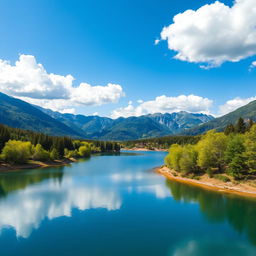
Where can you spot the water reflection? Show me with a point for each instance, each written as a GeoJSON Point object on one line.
{"type": "Point", "coordinates": [13, 181]}
{"type": "Point", "coordinates": [30, 197]}
{"type": "Point", "coordinates": [129, 205]}
{"type": "Point", "coordinates": [202, 247]}
{"type": "Point", "coordinates": [238, 211]}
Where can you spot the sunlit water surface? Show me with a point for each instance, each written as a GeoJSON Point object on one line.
{"type": "Point", "coordinates": [115, 205]}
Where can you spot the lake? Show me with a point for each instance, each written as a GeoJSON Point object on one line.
{"type": "Point", "coordinates": [115, 205]}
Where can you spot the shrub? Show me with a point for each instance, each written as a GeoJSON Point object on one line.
{"type": "Point", "coordinates": [54, 154]}
{"type": "Point", "coordinates": [16, 151]}
{"type": "Point", "coordinates": [71, 154]}
{"type": "Point", "coordinates": [40, 154]}
{"type": "Point", "coordinates": [84, 151]}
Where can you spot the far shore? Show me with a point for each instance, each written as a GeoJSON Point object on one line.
{"type": "Point", "coordinates": [5, 167]}
{"type": "Point", "coordinates": [145, 149]}
{"type": "Point", "coordinates": [242, 188]}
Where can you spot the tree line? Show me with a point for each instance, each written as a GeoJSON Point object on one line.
{"type": "Point", "coordinates": [18, 146]}
{"type": "Point", "coordinates": [162, 142]}
{"type": "Point", "coordinates": [232, 152]}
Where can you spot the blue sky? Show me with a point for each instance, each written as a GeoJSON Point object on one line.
{"type": "Point", "coordinates": [102, 42]}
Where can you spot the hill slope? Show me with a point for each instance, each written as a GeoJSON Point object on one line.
{"type": "Point", "coordinates": [247, 112]}
{"type": "Point", "coordinates": [131, 128]}
{"type": "Point", "coordinates": [19, 114]}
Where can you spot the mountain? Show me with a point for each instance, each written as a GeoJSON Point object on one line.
{"type": "Point", "coordinates": [19, 114]}
{"type": "Point", "coordinates": [89, 126]}
{"type": "Point", "coordinates": [131, 128]}
{"type": "Point", "coordinates": [247, 112]}
{"type": "Point", "coordinates": [177, 122]}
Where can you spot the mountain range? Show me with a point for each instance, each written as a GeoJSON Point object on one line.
{"type": "Point", "coordinates": [20, 114]}
{"type": "Point", "coordinates": [131, 128]}
{"type": "Point", "coordinates": [17, 113]}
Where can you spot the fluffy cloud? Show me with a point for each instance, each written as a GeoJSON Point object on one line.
{"type": "Point", "coordinates": [164, 104]}
{"type": "Point", "coordinates": [233, 104]}
{"type": "Point", "coordinates": [214, 34]}
{"type": "Point", "coordinates": [29, 81]}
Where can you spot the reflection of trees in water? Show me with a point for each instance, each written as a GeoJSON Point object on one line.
{"type": "Point", "coordinates": [239, 212]}
{"type": "Point", "coordinates": [10, 182]}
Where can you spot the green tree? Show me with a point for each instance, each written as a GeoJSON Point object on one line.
{"type": "Point", "coordinates": [85, 150]}
{"type": "Point", "coordinates": [72, 154]}
{"type": "Point", "coordinates": [249, 125]}
{"type": "Point", "coordinates": [240, 126]}
{"type": "Point", "coordinates": [235, 146]}
{"type": "Point", "coordinates": [40, 154]}
{"type": "Point", "coordinates": [234, 156]}
{"type": "Point", "coordinates": [54, 154]}
{"type": "Point", "coordinates": [250, 149]}
{"type": "Point", "coordinates": [188, 159]}
{"type": "Point", "coordinates": [17, 152]}
{"type": "Point", "coordinates": [237, 166]}
{"type": "Point", "coordinates": [173, 158]}
{"type": "Point", "coordinates": [229, 129]}
{"type": "Point", "coordinates": [211, 150]}
{"type": "Point", "coordinates": [4, 136]}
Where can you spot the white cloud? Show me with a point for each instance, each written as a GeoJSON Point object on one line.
{"type": "Point", "coordinates": [29, 81]}
{"type": "Point", "coordinates": [234, 104]}
{"type": "Point", "coordinates": [68, 110]}
{"type": "Point", "coordinates": [164, 104]}
{"type": "Point", "coordinates": [214, 34]}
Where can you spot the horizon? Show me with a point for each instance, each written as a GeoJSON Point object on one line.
{"type": "Point", "coordinates": [134, 67]}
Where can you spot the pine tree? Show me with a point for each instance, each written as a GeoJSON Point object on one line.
{"type": "Point", "coordinates": [4, 136]}
{"type": "Point", "coordinates": [229, 129]}
{"type": "Point", "coordinates": [240, 126]}
{"type": "Point", "coordinates": [249, 125]}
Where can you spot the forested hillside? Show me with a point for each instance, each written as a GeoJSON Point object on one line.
{"type": "Point", "coordinates": [19, 114]}
{"type": "Point", "coordinates": [246, 112]}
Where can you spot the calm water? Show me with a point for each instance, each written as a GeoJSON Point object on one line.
{"type": "Point", "coordinates": [114, 205]}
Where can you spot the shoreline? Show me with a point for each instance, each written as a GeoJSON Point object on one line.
{"type": "Point", "coordinates": [145, 149]}
{"type": "Point", "coordinates": [4, 167]}
{"type": "Point", "coordinates": [241, 189]}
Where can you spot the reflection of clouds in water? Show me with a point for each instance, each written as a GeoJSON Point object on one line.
{"type": "Point", "coordinates": [210, 247]}
{"type": "Point", "coordinates": [126, 177]}
{"type": "Point", "coordinates": [158, 190]}
{"type": "Point", "coordinates": [25, 209]}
